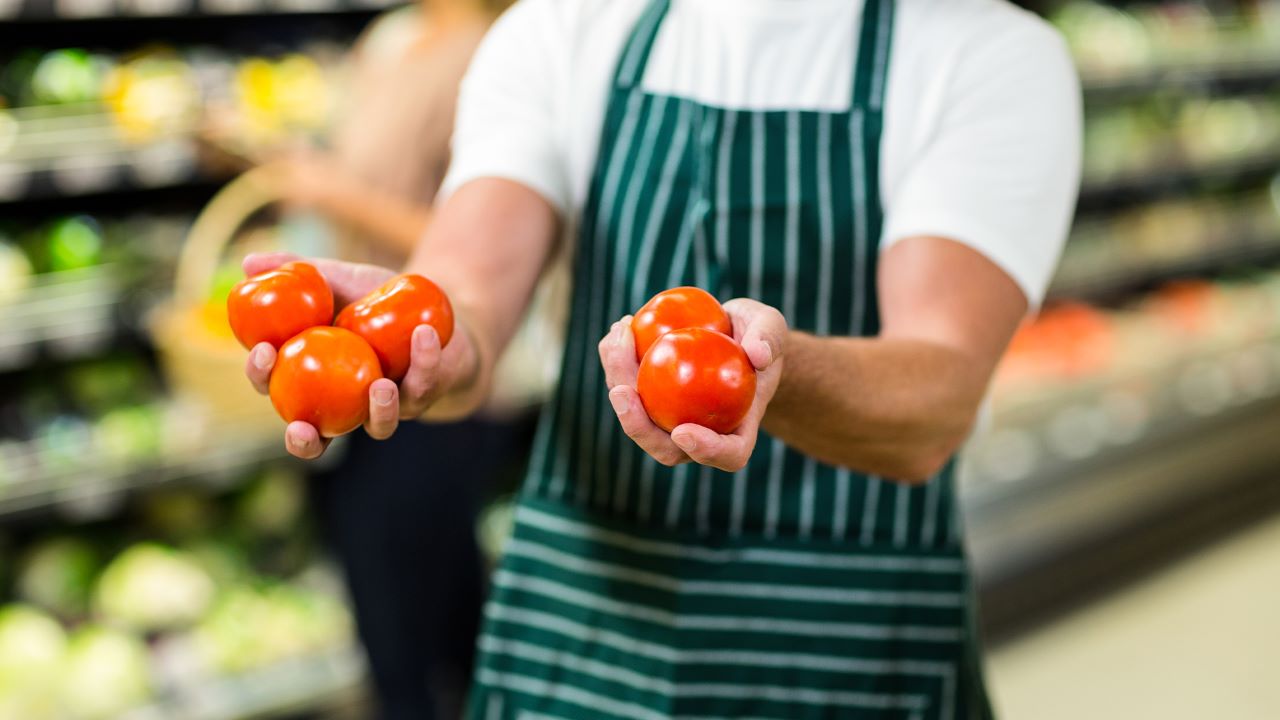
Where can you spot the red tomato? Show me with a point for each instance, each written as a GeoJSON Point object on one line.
{"type": "Point", "coordinates": [322, 377]}
{"type": "Point", "coordinates": [276, 305]}
{"type": "Point", "coordinates": [387, 316]}
{"type": "Point", "coordinates": [674, 309]}
{"type": "Point", "coordinates": [697, 376]}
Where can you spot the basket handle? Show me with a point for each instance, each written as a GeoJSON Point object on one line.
{"type": "Point", "coordinates": [213, 229]}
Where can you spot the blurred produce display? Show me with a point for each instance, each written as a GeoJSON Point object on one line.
{"type": "Point", "coordinates": [1115, 40]}
{"type": "Point", "coordinates": [81, 10]}
{"type": "Point", "coordinates": [109, 621]}
{"type": "Point", "coordinates": [155, 561]}
{"type": "Point", "coordinates": [1140, 139]}
{"type": "Point", "coordinates": [1109, 255]}
{"type": "Point", "coordinates": [77, 122]}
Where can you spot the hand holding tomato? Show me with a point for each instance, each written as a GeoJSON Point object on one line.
{"type": "Point", "coordinates": [761, 333]}
{"type": "Point", "coordinates": [431, 372]}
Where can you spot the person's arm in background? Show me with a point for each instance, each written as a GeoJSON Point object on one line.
{"type": "Point", "coordinates": [975, 230]}
{"type": "Point", "coordinates": [494, 228]}
{"type": "Point", "coordinates": [313, 180]}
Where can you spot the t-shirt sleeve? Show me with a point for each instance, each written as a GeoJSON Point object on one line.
{"type": "Point", "coordinates": [505, 125]}
{"type": "Point", "coordinates": [1001, 172]}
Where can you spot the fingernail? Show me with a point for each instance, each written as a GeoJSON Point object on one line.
{"type": "Point", "coordinates": [260, 358]}
{"type": "Point", "coordinates": [768, 354]}
{"type": "Point", "coordinates": [619, 402]}
{"type": "Point", "coordinates": [685, 441]}
{"type": "Point", "coordinates": [619, 335]}
{"type": "Point", "coordinates": [382, 396]}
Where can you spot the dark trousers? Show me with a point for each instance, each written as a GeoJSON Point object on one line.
{"type": "Point", "coordinates": [400, 516]}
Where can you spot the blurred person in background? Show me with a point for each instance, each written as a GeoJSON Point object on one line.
{"type": "Point", "coordinates": [400, 514]}
{"type": "Point", "coordinates": [879, 190]}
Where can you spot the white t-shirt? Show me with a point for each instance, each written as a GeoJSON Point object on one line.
{"type": "Point", "coordinates": [982, 111]}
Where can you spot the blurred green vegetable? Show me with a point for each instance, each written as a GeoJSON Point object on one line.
{"type": "Point", "coordinates": [102, 384]}
{"type": "Point", "coordinates": [67, 76]}
{"type": "Point", "coordinates": [32, 647]}
{"type": "Point", "coordinates": [105, 673]}
{"type": "Point", "coordinates": [495, 527]}
{"type": "Point", "coordinates": [252, 628]}
{"type": "Point", "coordinates": [15, 271]}
{"type": "Point", "coordinates": [150, 587]}
{"type": "Point", "coordinates": [273, 504]}
{"type": "Point", "coordinates": [58, 574]}
{"type": "Point", "coordinates": [129, 434]}
{"type": "Point", "coordinates": [74, 243]}
{"type": "Point", "coordinates": [178, 513]}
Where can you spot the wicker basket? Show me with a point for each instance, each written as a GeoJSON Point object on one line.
{"type": "Point", "coordinates": [202, 361]}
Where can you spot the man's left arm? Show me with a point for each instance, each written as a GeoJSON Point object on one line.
{"type": "Point", "coordinates": [896, 405]}
{"type": "Point", "coordinates": [899, 404]}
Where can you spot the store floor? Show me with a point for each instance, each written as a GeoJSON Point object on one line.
{"type": "Point", "coordinates": [1198, 640]}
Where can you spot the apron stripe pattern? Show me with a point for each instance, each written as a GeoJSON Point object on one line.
{"type": "Point", "coordinates": [791, 589]}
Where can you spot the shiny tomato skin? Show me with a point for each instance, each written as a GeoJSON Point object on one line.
{"type": "Point", "coordinates": [675, 309]}
{"type": "Point", "coordinates": [387, 316]}
{"type": "Point", "coordinates": [322, 377]}
{"type": "Point", "coordinates": [276, 305]}
{"type": "Point", "coordinates": [700, 376]}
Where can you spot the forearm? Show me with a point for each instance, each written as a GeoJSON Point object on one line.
{"type": "Point", "coordinates": [486, 248]}
{"type": "Point", "coordinates": [893, 407]}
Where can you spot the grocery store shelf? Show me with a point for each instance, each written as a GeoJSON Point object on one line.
{"type": "Point", "coordinates": [1224, 77]}
{"type": "Point", "coordinates": [1066, 467]}
{"type": "Point", "coordinates": [85, 10]}
{"type": "Point", "coordinates": [67, 314]}
{"type": "Point", "coordinates": [1099, 195]}
{"type": "Point", "coordinates": [1121, 281]}
{"type": "Point", "coordinates": [302, 685]}
{"type": "Point", "coordinates": [87, 483]}
{"type": "Point", "coordinates": [126, 170]}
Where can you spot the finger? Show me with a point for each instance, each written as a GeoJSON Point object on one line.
{"type": "Point", "coordinates": [707, 447]}
{"type": "Point", "coordinates": [255, 263]}
{"type": "Point", "coordinates": [384, 409]}
{"type": "Point", "coordinates": [637, 425]}
{"type": "Point", "coordinates": [618, 355]}
{"type": "Point", "coordinates": [760, 329]}
{"type": "Point", "coordinates": [258, 366]}
{"type": "Point", "coordinates": [304, 441]}
{"type": "Point", "coordinates": [420, 383]}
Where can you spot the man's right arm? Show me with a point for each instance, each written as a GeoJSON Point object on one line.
{"type": "Point", "coordinates": [486, 248]}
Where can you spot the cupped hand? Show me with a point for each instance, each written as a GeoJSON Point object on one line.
{"type": "Point", "coordinates": [762, 332]}
{"type": "Point", "coordinates": [388, 403]}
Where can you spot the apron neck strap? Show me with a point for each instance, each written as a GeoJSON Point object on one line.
{"type": "Point", "coordinates": [635, 54]}
{"type": "Point", "coordinates": [875, 36]}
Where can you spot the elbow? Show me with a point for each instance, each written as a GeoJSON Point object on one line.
{"type": "Point", "coordinates": [919, 466]}
{"type": "Point", "coordinates": [919, 462]}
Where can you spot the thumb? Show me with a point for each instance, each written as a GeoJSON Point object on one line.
{"type": "Point", "coordinates": [764, 331]}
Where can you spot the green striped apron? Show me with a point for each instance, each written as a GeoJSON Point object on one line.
{"type": "Point", "coordinates": [791, 589]}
